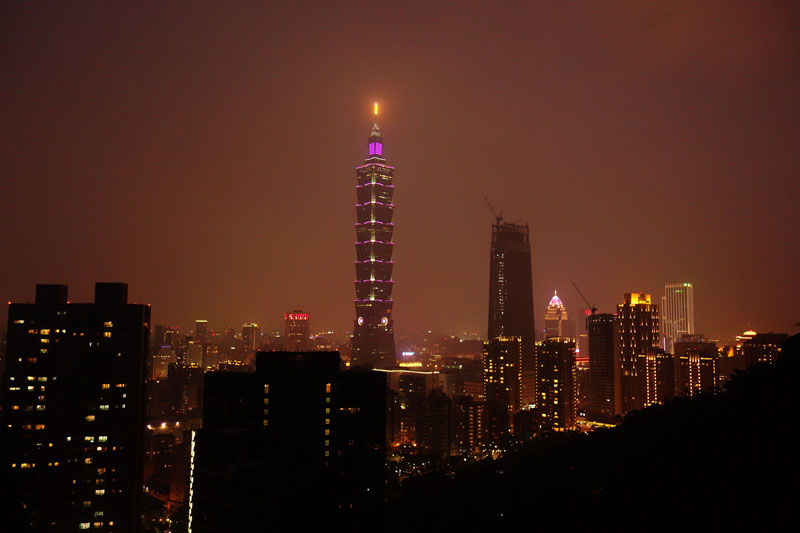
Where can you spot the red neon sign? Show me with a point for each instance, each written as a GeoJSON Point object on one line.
{"type": "Point", "coordinates": [295, 316]}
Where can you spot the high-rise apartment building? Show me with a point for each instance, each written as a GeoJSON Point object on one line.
{"type": "Point", "coordinates": [73, 411]}
{"type": "Point", "coordinates": [762, 348]}
{"type": "Point", "coordinates": [655, 378]}
{"type": "Point", "coordinates": [695, 366]}
{"type": "Point", "coordinates": [677, 307]}
{"type": "Point", "coordinates": [502, 384]}
{"type": "Point", "coordinates": [511, 294]}
{"type": "Point", "coordinates": [294, 445]}
{"type": "Point", "coordinates": [639, 336]}
{"type": "Point", "coordinates": [297, 327]}
{"type": "Point", "coordinates": [373, 330]}
{"type": "Point", "coordinates": [555, 387]}
{"type": "Point", "coordinates": [604, 365]}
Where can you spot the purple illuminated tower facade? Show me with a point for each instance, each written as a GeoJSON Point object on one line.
{"type": "Point", "coordinates": [373, 332]}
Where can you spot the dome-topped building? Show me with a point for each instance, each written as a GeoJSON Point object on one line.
{"type": "Point", "coordinates": [556, 322]}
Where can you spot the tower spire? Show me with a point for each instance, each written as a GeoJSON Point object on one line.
{"type": "Point", "coordinates": [375, 141]}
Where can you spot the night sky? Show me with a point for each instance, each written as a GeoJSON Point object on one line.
{"type": "Point", "coordinates": [204, 153]}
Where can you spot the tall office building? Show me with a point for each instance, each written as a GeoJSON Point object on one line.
{"type": "Point", "coordinates": [556, 320]}
{"type": "Point", "coordinates": [164, 357]}
{"type": "Point", "coordinates": [73, 411]}
{"type": "Point", "coordinates": [201, 331]}
{"type": "Point", "coordinates": [639, 336]}
{"type": "Point", "coordinates": [511, 294]}
{"type": "Point", "coordinates": [555, 389]}
{"type": "Point", "coordinates": [297, 326]}
{"type": "Point", "coordinates": [677, 306]}
{"type": "Point", "coordinates": [164, 336]}
{"type": "Point", "coordinates": [604, 365]}
{"type": "Point", "coordinates": [373, 330]}
{"type": "Point", "coordinates": [502, 384]}
{"type": "Point", "coordinates": [251, 336]}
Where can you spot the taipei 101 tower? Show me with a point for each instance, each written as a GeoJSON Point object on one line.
{"type": "Point", "coordinates": [373, 332]}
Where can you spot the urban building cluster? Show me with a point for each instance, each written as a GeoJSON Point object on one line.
{"type": "Point", "coordinates": [216, 430]}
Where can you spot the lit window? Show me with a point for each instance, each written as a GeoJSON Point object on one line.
{"type": "Point", "coordinates": [104, 407]}
{"type": "Point", "coordinates": [108, 324]}
{"type": "Point", "coordinates": [106, 385]}
{"type": "Point", "coordinates": [84, 525]}
{"type": "Point", "coordinates": [106, 334]}
{"type": "Point", "coordinates": [89, 418]}
{"type": "Point", "coordinates": [102, 438]}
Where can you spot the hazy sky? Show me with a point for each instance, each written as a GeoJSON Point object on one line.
{"type": "Point", "coordinates": [204, 153]}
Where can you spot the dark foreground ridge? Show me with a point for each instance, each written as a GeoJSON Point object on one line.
{"type": "Point", "coordinates": [708, 459]}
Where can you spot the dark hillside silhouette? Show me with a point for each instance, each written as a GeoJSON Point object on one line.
{"type": "Point", "coordinates": [722, 458]}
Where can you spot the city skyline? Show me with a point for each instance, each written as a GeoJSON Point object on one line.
{"type": "Point", "coordinates": [212, 157]}
{"type": "Point", "coordinates": [164, 180]}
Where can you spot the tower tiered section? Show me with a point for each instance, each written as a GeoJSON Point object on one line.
{"type": "Point", "coordinates": [373, 332]}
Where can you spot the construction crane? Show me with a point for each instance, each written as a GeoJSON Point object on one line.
{"type": "Point", "coordinates": [590, 306]}
{"type": "Point", "coordinates": [497, 217]}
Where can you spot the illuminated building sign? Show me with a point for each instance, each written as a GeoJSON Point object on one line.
{"type": "Point", "coordinates": [295, 316]}
{"type": "Point", "coordinates": [409, 354]}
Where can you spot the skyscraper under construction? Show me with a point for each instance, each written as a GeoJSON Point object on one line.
{"type": "Point", "coordinates": [373, 331]}
{"type": "Point", "coordinates": [511, 293]}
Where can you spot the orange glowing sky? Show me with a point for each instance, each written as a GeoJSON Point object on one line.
{"type": "Point", "coordinates": [205, 152]}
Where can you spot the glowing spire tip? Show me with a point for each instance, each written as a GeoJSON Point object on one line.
{"type": "Point", "coordinates": [375, 109]}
